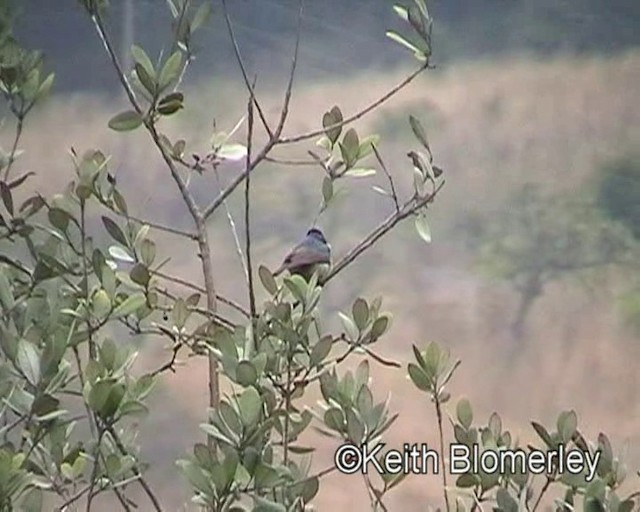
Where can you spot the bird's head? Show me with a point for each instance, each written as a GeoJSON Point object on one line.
{"type": "Point", "coordinates": [316, 234]}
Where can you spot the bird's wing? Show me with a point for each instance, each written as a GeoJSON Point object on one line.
{"type": "Point", "coordinates": [304, 255]}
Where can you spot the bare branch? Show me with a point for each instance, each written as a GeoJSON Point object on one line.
{"type": "Point", "coordinates": [247, 225]}
{"type": "Point", "coordinates": [358, 115]}
{"type": "Point", "coordinates": [243, 69]}
{"type": "Point", "coordinates": [294, 63]}
{"type": "Point", "coordinates": [224, 300]}
{"type": "Point", "coordinates": [234, 231]}
{"type": "Point", "coordinates": [394, 194]}
{"type": "Point", "coordinates": [383, 228]}
{"type": "Point", "coordinates": [274, 138]}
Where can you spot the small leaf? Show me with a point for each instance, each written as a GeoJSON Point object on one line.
{"type": "Point", "coordinates": [114, 230]}
{"type": "Point", "coordinates": [330, 118]}
{"type": "Point", "coordinates": [250, 407]}
{"type": "Point", "coordinates": [141, 57]}
{"type": "Point", "coordinates": [180, 313]}
{"type": "Point", "coordinates": [232, 152]}
{"type": "Point", "coordinates": [170, 70]}
{"type": "Point", "coordinates": [171, 103]}
{"type": "Point", "coordinates": [140, 274]}
{"type": "Point", "coordinates": [7, 198]}
{"type": "Point", "coordinates": [349, 326]}
{"type": "Point", "coordinates": [119, 201]}
{"type": "Point", "coordinates": [360, 172]}
{"type": "Point", "coordinates": [130, 305]}
{"type": "Point", "coordinates": [201, 16]}
{"type": "Point", "coordinates": [267, 280]}
{"type": "Point", "coordinates": [393, 35]}
{"type": "Point", "coordinates": [125, 121]}
{"type": "Point", "coordinates": [246, 374]}
{"type": "Point", "coordinates": [321, 350]}
{"type": "Point", "coordinates": [28, 361]}
{"type": "Point", "coordinates": [419, 132]}
{"type": "Point", "coordinates": [147, 251]}
{"type": "Point", "coordinates": [422, 227]}
{"type": "Point", "coordinates": [147, 81]}
{"type": "Point", "coordinates": [464, 413]}
{"type": "Point", "coordinates": [327, 189]}
{"type": "Point", "coordinates": [380, 326]}
{"type": "Point", "coordinates": [360, 313]}
{"type": "Point", "coordinates": [419, 377]}
{"type": "Point", "coordinates": [120, 254]}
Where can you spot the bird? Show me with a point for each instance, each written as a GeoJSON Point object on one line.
{"type": "Point", "coordinates": [311, 254]}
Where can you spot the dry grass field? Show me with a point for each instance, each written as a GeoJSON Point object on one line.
{"type": "Point", "coordinates": [493, 126]}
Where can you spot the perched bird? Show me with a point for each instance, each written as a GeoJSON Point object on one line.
{"type": "Point", "coordinates": [313, 253]}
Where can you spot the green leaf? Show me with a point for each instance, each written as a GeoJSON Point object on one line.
{"type": "Point", "coordinates": [334, 419]}
{"type": "Point", "coordinates": [114, 230]}
{"type": "Point", "coordinates": [140, 274]}
{"type": "Point", "coordinates": [171, 69]}
{"type": "Point", "coordinates": [419, 377]}
{"type": "Point", "coordinates": [141, 57]}
{"type": "Point", "coordinates": [349, 326]}
{"type": "Point", "coordinates": [101, 303]}
{"type": "Point", "coordinates": [380, 326]}
{"type": "Point", "coordinates": [120, 254]}
{"type": "Point", "coordinates": [267, 280]}
{"type": "Point", "coordinates": [422, 227]}
{"type": "Point", "coordinates": [360, 172]}
{"type": "Point", "coordinates": [464, 413]}
{"type": "Point", "coordinates": [250, 407]}
{"type": "Point", "coordinates": [246, 374]}
{"type": "Point", "coordinates": [201, 16]}
{"type": "Point", "coordinates": [542, 432]}
{"type": "Point", "coordinates": [171, 103]}
{"type": "Point", "coordinates": [6, 294]}
{"type": "Point", "coordinates": [321, 350]}
{"type": "Point", "coordinates": [327, 189]}
{"type": "Point", "coordinates": [147, 251]}
{"type": "Point", "coordinates": [28, 361]}
{"type": "Point", "coordinates": [330, 118]}
{"type": "Point", "coordinates": [125, 121]}
{"type": "Point", "coordinates": [419, 132]}
{"type": "Point", "coordinates": [130, 305]}
{"type": "Point", "coordinates": [7, 198]}
{"type": "Point", "coordinates": [232, 152]}
{"type": "Point", "coordinates": [180, 313]}
{"type": "Point", "coordinates": [147, 80]}
{"type": "Point", "coordinates": [349, 147]}
{"type": "Point", "coordinates": [394, 36]}
{"type": "Point", "coordinates": [567, 425]}
{"type": "Point", "coordinates": [506, 502]}
{"type": "Point", "coordinates": [360, 313]}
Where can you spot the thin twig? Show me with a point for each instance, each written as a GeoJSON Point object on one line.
{"type": "Point", "coordinates": [273, 139]}
{"type": "Point", "coordinates": [224, 300]}
{"type": "Point", "coordinates": [136, 470]}
{"type": "Point", "coordinates": [14, 147]}
{"type": "Point", "coordinates": [443, 468]}
{"type": "Point", "coordinates": [285, 161]}
{"type": "Point", "coordinates": [247, 227]}
{"type": "Point", "coordinates": [383, 228]}
{"type": "Point", "coordinates": [234, 230]}
{"type": "Point", "coordinates": [358, 115]}
{"type": "Point", "coordinates": [394, 194]}
{"type": "Point", "coordinates": [243, 69]}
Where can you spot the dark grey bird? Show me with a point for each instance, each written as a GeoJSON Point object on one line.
{"type": "Point", "coordinates": [313, 253]}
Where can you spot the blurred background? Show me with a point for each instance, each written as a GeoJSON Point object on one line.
{"type": "Point", "coordinates": [533, 112]}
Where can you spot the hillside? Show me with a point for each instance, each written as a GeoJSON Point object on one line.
{"type": "Point", "coordinates": [493, 125]}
